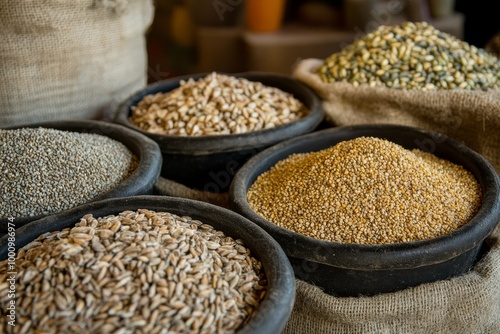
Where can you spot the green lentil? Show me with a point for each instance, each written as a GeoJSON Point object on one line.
{"type": "Point", "coordinates": [366, 191]}
{"type": "Point", "coordinates": [46, 170]}
{"type": "Point", "coordinates": [428, 58]}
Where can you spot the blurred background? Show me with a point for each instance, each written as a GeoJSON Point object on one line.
{"type": "Point", "coordinates": [193, 36]}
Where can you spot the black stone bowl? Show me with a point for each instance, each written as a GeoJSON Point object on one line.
{"type": "Point", "coordinates": [140, 182]}
{"type": "Point", "coordinates": [345, 269]}
{"type": "Point", "coordinates": [277, 304]}
{"type": "Point", "coordinates": [209, 162]}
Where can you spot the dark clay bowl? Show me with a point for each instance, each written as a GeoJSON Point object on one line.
{"type": "Point", "coordinates": [353, 269]}
{"type": "Point", "coordinates": [276, 306]}
{"type": "Point", "coordinates": [210, 162]}
{"type": "Point", "coordinates": [140, 182]}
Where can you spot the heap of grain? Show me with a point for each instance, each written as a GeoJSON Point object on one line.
{"type": "Point", "coordinates": [46, 170]}
{"type": "Point", "coordinates": [367, 191]}
{"type": "Point", "coordinates": [216, 104]}
{"type": "Point", "coordinates": [413, 56]}
{"type": "Point", "coordinates": [135, 272]}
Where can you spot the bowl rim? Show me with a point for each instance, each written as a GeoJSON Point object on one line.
{"type": "Point", "coordinates": [201, 145]}
{"type": "Point", "coordinates": [280, 295]}
{"type": "Point", "coordinates": [147, 151]}
{"type": "Point", "coordinates": [401, 255]}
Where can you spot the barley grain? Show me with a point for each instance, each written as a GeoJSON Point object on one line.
{"type": "Point", "coordinates": [216, 104]}
{"type": "Point", "coordinates": [68, 285]}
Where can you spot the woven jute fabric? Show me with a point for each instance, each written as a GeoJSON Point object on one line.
{"type": "Point", "coordinates": [472, 117]}
{"type": "Point", "coordinates": [469, 303]}
{"type": "Point", "coordinates": [166, 187]}
{"type": "Point", "coordinates": [70, 59]}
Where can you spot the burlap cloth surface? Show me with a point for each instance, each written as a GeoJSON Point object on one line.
{"type": "Point", "coordinates": [471, 117]}
{"type": "Point", "coordinates": [469, 303]}
{"type": "Point", "coordinates": [70, 59]}
{"type": "Point", "coordinates": [166, 187]}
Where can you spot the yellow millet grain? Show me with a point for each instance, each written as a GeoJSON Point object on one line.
{"type": "Point", "coordinates": [366, 191]}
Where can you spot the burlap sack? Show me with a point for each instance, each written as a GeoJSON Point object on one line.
{"type": "Point", "coordinates": [166, 187]}
{"type": "Point", "coordinates": [465, 304]}
{"type": "Point", "coordinates": [470, 117]}
{"type": "Point", "coordinates": [70, 59]}
{"type": "Point", "coordinates": [469, 303]}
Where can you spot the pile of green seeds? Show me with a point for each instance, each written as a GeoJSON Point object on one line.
{"type": "Point", "coordinates": [46, 170]}
{"type": "Point", "coordinates": [366, 191]}
{"type": "Point", "coordinates": [413, 56]}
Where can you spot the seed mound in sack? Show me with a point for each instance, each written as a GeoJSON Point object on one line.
{"type": "Point", "coordinates": [415, 75]}
{"type": "Point", "coordinates": [413, 56]}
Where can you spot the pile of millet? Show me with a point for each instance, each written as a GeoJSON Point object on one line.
{"type": "Point", "coordinates": [366, 191]}
{"type": "Point", "coordinates": [47, 171]}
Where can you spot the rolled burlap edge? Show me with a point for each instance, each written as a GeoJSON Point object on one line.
{"type": "Point", "coordinates": [469, 303]}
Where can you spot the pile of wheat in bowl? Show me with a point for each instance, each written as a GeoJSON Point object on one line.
{"type": "Point", "coordinates": [216, 104]}
{"type": "Point", "coordinates": [136, 272]}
